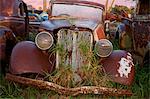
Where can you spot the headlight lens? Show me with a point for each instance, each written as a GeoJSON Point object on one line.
{"type": "Point", "coordinates": [103, 48]}
{"type": "Point", "coordinates": [44, 40]}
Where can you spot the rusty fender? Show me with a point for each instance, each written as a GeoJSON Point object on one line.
{"type": "Point", "coordinates": [27, 58]}
{"type": "Point", "coordinates": [119, 65]}
{"type": "Point", "coordinates": [5, 35]}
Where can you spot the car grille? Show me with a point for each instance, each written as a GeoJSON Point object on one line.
{"type": "Point", "coordinates": [74, 47]}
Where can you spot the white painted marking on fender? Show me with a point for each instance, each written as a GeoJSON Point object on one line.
{"type": "Point", "coordinates": [125, 66]}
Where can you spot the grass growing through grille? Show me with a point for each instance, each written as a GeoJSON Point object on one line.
{"type": "Point", "coordinates": [91, 74]}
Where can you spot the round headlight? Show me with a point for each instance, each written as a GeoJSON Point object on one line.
{"type": "Point", "coordinates": [44, 40]}
{"type": "Point", "coordinates": [103, 48]}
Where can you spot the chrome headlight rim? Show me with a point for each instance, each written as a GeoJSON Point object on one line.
{"type": "Point", "coordinates": [44, 32]}
{"type": "Point", "coordinates": [107, 41]}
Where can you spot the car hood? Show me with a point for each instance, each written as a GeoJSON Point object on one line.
{"type": "Point", "coordinates": [60, 23]}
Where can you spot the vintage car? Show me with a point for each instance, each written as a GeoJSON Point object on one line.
{"type": "Point", "coordinates": [73, 34]}
{"type": "Point", "coordinates": [13, 24]}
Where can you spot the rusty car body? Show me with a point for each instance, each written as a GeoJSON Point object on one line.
{"type": "Point", "coordinates": [14, 16]}
{"type": "Point", "coordinates": [74, 30]}
{"type": "Point", "coordinates": [13, 24]}
{"type": "Point", "coordinates": [141, 31]}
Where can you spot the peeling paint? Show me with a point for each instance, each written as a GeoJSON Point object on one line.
{"type": "Point", "coordinates": [96, 91]}
{"type": "Point", "coordinates": [125, 66]}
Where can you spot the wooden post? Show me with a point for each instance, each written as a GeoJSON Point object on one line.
{"type": "Point", "coordinates": [44, 5]}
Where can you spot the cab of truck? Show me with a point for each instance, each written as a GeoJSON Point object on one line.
{"type": "Point", "coordinates": [14, 15]}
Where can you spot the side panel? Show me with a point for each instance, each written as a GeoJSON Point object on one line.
{"type": "Point", "coordinates": [141, 37]}
{"type": "Point", "coordinates": [17, 25]}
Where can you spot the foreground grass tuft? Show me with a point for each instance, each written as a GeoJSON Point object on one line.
{"type": "Point", "coordinates": [140, 89]}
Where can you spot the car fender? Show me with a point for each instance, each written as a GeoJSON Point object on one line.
{"type": "Point", "coordinates": [27, 58]}
{"type": "Point", "coordinates": [119, 66]}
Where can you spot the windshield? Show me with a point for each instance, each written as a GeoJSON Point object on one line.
{"type": "Point", "coordinates": [77, 11]}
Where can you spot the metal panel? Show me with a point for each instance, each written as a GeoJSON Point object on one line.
{"type": "Point", "coordinates": [74, 44]}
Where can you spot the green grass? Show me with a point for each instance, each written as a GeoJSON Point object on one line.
{"type": "Point", "coordinates": [11, 90]}
{"type": "Point", "coordinates": [141, 86]}
{"type": "Point", "coordinates": [89, 74]}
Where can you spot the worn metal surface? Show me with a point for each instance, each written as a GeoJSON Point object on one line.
{"type": "Point", "coordinates": [5, 35]}
{"type": "Point", "coordinates": [27, 58]}
{"type": "Point", "coordinates": [76, 44]}
{"type": "Point", "coordinates": [70, 41]}
{"type": "Point", "coordinates": [60, 23]}
{"type": "Point", "coordinates": [141, 37]}
{"type": "Point", "coordinates": [17, 25]}
{"type": "Point", "coordinates": [9, 8]}
{"type": "Point", "coordinates": [119, 66]}
{"type": "Point", "coordinates": [84, 2]}
{"type": "Point", "coordinates": [141, 32]}
{"type": "Point", "coordinates": [12, 24]}
{"type": "Point", "coordinates": [11, 18]}
{"type": "Point", "coordinates": [99, 33]}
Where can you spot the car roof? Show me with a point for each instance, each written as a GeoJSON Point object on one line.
{"type": "Point", "coordinates": [84, 2]}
